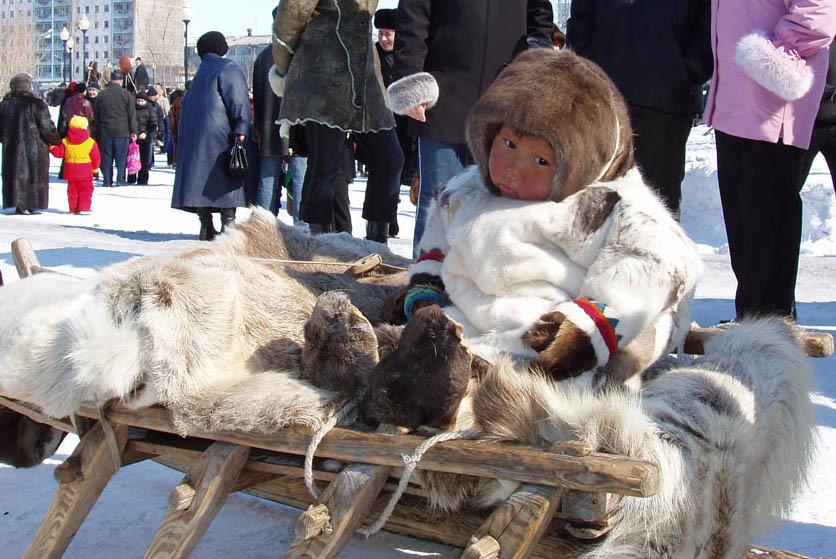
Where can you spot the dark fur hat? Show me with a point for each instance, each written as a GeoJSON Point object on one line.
{"type": "Point", "coordinates": [212, 42]}
{"type": "Point", "coordinates": [569, 102]}
{"type": "Point", "coordinates": [385, 18]}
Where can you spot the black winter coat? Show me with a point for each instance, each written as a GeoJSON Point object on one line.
{"type": "Point", "coordinates": [26, 132]}
{"type": "Point", "coordinates": [658, 52]}
{"type": "Point", "coordinates": [216, 107]}
{"type": "Point", "coordinates": [266, 107]}
{"type": "Point", "coordinates": [464, 44]}
{"type": "Point", "coordinates": [146, 120]}
{"type": "Point", "coordinates": [115, 112]}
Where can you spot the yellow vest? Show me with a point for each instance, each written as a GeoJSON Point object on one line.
{"type": "Point", "coordinates": [78, 153]}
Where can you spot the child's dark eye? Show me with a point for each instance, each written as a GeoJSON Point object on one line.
{"type": "Point", "coordinates": [542, 161]}
{"type": "Point", "coordinates": [509, 144]}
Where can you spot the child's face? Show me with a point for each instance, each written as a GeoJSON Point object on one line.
{"type": "Point", "coordinates": [521, 167]}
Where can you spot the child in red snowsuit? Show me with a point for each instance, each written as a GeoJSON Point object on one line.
{"type": "Point", "coordinates": [81, 161]}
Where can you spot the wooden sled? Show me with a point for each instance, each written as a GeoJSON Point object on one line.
{"type": "Point", "coordinates": [558, 511]}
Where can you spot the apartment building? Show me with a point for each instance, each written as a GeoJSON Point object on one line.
{"type": "Point", "coordinates": [152, 29]}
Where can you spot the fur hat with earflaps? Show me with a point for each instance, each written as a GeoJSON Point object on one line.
{"type": "Point", "coordinates": [569, 102]}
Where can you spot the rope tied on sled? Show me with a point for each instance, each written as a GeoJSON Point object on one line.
{"type": "Point", "coordinates": [344, 414]}
{"type": "Point", "coordinates": [411, 462]}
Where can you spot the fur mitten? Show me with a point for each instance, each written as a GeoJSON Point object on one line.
{"type": "Point", "coordinates": [411, 91]}
{"type": "Point", "coordinates": [574, 338]}
{"type": "Point", "coordinates": [775, 68]}
{"type": "Point", "coordinates": [276, 81]}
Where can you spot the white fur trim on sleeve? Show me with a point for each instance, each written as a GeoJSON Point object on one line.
{"type": "Point", "coordinates": [411, 91]}
{"type": "Point", "coordinates": [787, 77]}
{"type": "Point", "coordinates": [579, 317]}
{"type": "Point", "coordinates": [276, 81]}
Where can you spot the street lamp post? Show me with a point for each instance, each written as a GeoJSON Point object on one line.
{"type": "Point", "coordinates": [84, 25]}
{"type": "Point", "coordinates": [70, 47]}
{"type": "Point", "coordinates": [65, 36]}
{"type": "Point", "coordinates": [187, 17]}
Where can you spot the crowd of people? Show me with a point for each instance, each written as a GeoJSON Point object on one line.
{"type": "Point", "coordinates": [393, 88]}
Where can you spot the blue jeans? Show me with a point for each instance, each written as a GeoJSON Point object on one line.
{"type": "Point", "coordinates": [114, 149]}
{"type": "Point", "coordinates": [297, 169]}
{"type": "Point", "coordinates": [438, 162]}
{"type": "Point", "coordinates": [269, 191]}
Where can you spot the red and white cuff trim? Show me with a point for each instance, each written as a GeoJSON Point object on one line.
{"type": "Point", "coordinates": [589, 317]}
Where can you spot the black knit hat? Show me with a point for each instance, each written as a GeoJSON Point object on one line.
{"type": "Point", "coordinates": [117, 75]}
{"type": "Point", "coordinates": [212, 42]}
{"type": "Point", "coordinates": [385, 18]}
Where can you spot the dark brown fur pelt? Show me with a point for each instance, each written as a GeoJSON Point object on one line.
{"type": "Point", "coordinates": [423, 381]}
{"type": "Point", "coordinates": [569, 102]}
{"type": "Point", "coordinates": [25, 443]}
{"type": "Point", "coordinates": [340, 348]}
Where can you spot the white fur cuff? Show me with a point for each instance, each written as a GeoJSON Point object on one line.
{"type": "Point", "coordinates": [411, 91]}
{"type": "Point", "coordinates": [276, 81]}
{"type": "Point", "coordinates": [787, 77]}
{"type": "Point", "coordinates": [582, 320]}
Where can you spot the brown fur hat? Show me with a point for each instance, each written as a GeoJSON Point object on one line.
{"type": "Point", "coordinates": [569, 102]}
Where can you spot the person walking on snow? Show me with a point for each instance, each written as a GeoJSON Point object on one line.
{"type": "Point", "coordinates": [82, 159]}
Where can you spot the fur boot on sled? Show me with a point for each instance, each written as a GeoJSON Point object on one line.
{"type": "Point", "coordinates": [732, 434]}
{"type": "Point", "coordinates": [214, 333]}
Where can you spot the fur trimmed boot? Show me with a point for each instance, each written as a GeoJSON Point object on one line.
{"type": "Point", "coordinates": [377, 231]}
{"type": "Point", "coordinates": [207, 228]}
{"type": "Point", "coordinates": [227, 218]}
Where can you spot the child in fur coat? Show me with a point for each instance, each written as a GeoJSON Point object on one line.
{"type": "Point", "coordinates": [552, 248]}
{"type": "Point", "coordinates": [81, 161]}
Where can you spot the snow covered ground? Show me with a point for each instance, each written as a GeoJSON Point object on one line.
{"type": "Point", "coordinates": [132, 221]}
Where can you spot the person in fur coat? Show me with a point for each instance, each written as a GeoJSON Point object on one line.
{"type": "Point", "coordinates": [552, 248]}
{"type": "Point", "coordinates": [770, 61]}
{"type": "Point", "coordinates": [26, 132]}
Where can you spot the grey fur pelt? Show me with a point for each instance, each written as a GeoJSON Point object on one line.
{"type": "Point", "coordinates": [731, 433]}
{"type": "Point", "coordinates": [211, 333]}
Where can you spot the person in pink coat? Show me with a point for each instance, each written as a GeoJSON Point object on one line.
{"type": "Point", "coordinates": [770, 63]}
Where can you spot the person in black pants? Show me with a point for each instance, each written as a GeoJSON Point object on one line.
{"type": "Point", "coordinates": [660, 74]}
{"type": "Point", "coordinates": [327, 174]}
{"type": "Point", "coordinates": [824, 130]}
{"type": "Point", "coordinates": [756, 185]}
{"type": "Point", "coordinates": [146, 118]}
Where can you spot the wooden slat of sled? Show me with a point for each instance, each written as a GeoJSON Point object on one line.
{"type": "Point", "coordinates": [324, 530]}
{"type": "Point", "coordinates": [816, 344]}
{"type": "Point", "coordinates": [196, 501]}
{"type": "Point", "coordinates": [24, 258]}
{"type": "Point", "coordinates": [596, 472]}
{"type": "Point", "coordinates": [77, 494]}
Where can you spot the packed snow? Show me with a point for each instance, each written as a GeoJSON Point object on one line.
{"type": "Point", "coordinates": [132, 221]}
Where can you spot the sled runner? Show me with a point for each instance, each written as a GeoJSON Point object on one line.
{"type": "Point", "coordinates": [560, 509]}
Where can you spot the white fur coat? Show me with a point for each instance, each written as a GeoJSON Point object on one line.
{"type": "Point", "coordinates": [507, 262]}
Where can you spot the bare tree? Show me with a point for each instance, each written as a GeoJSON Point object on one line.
{"type": "Point", "coordinates": [17, 50]}
{"type": "Point", "coordinates": [158, 33]}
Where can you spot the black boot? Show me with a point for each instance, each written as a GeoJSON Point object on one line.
{"type": "Point", "coordinates": [377, 231]}
{"type": "Point", "coordinates": [207, 228]}
{"type": "Point", "coordinates": [227, 218]}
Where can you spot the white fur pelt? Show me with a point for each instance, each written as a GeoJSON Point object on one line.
{"type": "Point", "coordinates": [732, 435]}
{"type": "Point", "coordinates": [210, 333]}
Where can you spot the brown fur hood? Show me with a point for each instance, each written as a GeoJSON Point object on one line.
{"type": "Point", "coordinates": [566, 100]}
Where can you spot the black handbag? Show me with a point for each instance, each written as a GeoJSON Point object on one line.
{"type": "Point", "coordinates": [238, 164]}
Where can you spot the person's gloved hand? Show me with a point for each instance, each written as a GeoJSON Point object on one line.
{"type": "Point", "coordinates": [574, 338]}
